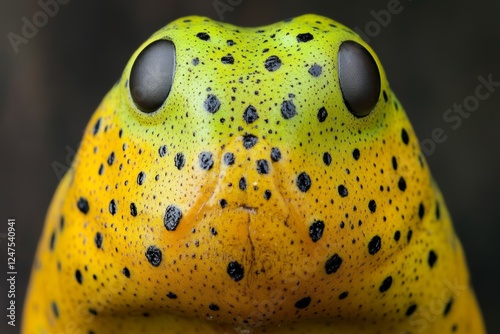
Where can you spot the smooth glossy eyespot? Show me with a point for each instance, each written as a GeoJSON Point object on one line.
{"type": "Point", "coordinates": [152, 75]}
{"type": "Point", "coordinates": [359, 78]}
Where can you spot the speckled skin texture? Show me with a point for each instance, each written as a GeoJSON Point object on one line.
{"type": "Point", "coordinates": [251, 201]}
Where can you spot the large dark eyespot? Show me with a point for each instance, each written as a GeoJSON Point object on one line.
{"type": "Point", "coordinates": [359, 78]}
{"type": "Point", "coordinates": [152, 75]}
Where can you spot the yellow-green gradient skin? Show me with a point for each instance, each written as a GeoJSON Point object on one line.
{"type": "Point", "coordinates": [367, 246]}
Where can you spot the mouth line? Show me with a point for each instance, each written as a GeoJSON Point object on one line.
{"type": "Point", "coordinates": [249, 209]}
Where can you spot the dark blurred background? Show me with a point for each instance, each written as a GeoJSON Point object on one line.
{"type": "Point", "coordinates": [433, 53]}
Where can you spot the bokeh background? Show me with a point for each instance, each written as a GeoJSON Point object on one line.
{"type": "Point", "coordinates": [432, 51]}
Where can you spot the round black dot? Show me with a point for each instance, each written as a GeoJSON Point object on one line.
{"type": "Point", "coordinates": [195, 61]}
{"type": "Point", "coordinates": [303, 182]}
{"type": "Point", "coordinates": [397, 235]}
{"type": "Point", "coordinates": [302, 38]}
{"type": "Point", "coordinates": [230, 42]}
{"type": "Point", "coordinates": [303, 303]}
{"type": "Point", "coordinates": [213, 307]}
{"type": "Point", "coordinates": [316, 230]}
{"type": "Point", "coordinates": [203, 36]}
{"type": "Point", "coordinates": [223, 203]}
{"type": "Point", "coordinates": [372, 205]}
{"type": "Point", "coordinates": [386, 284]}
{"type": "Point", "coordinates": [315, 70]}
{"type": "Point", "coordinates": [229, 159]}
{"type": "Point", "coordinates": [162, 150]}
{"type": "Point", "coordinates": [404, 137]}
{"type": "Point", "coordinates": [402, 184]}
{"type": "Point", "coordinates": [288, 109]}
{"type": "Point", "coordinates": [250, 114]}
{"type": "Point", "coordinates": [411, 310]}
{"type": "Point", "coordinates": [78, 276]}
{"type": "Point", "coordinates": [213, 231]}
{"type": "Point", "coordinates": [179, 160]}
{"type": "Point", "coordinates": [92, 311]}
{"type": "Point", "coordinates": [55, 309]}
{"type": "Point", "coordinates": [262, 166]}
{"type": "Point", "coordinates": [374, 245]}
{"type": "Point", "coordinates": [133, 209]}
{"type": "Point", "coordinates": [112, 207]}
{"type": "Point", "coordinates": [322, 114]}
{"type": "Point", "coordinates": [205, 160]}
{"type": "Point", "coordinates": [111, 158]}
{"type": "Point", "coordinates": [83, 205]}
{"type": "Point", "coordinates": [172, 217]}
{"type": "Point", "coordinates": [272, 63]}
{"type": "Point", "coordinates": [153, 254]}
{"type": "Point", "coordinates": [447, 307]}
{"type": "Point", "coordinates": [275, 154]}
{"type": "Point", "coordinates": [333, 264]}
{"type": "Point", "coordinates": [327, 158]}
{"type": "Point", "coordinates": [171, 295]}
{"type": "Point", "coordinates": [212, 104]}
{"type": "Point", "coordinates": [98, 239]}
{"type": "Point", "coordinates": [126, 272]}
{"type": "Point", "coordinates": [249, 141]}
{"type": "Point", "coordinates": [432, 258]}
{"type": "Point", "coordinates": [227, 59]}
{"type": "Point", "coordinates": [343, 295]}
{"type": "Point", "coordinates": [97, 125]}
{"type": "Point", "coordinates": [408, 236]}
{"type": "Point", "coordinates": [242, 183]}
{"type": "Point", "coordinates": [394, 163]}
{"type": "Point", "coordinates": [355, 154]}
{"type": "Point", "coordinates": [101, 169]}
{"type": "Point", "coordinates": [235, 271]}
{"type": "Point", "coordinates": [140, 178]}
{"type": "Point", "coordinates": [267, 194]}
{"type": "Point", "coordinates": [342, 191]}
{"type": "Point", "coordinates": [421, 210]}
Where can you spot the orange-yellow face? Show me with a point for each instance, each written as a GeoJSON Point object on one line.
{"type": "Point", "coordinates": [250, 179]}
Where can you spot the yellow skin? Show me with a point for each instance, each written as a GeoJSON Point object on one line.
{"type": "Point", "coordinates": [249, 264]}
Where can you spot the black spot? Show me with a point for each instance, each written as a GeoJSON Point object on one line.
{"type": "Point", "coordinates": [153, 254]}
{"type": "Point", "coordinates": [229, 159]}
{"type": "Point", "coordinates": [438, 211]}
{"type": "Point", "coordinates": [205, 160]}
{"type": "Point", "coordinates": [374, 245]}
{"type": "Point", "coordinates": [288, 109]}
{"type": "Point", "coordinates": [133, 209]}
{"type": "Point", "coordinates": [228, 59]}
{"type": "Point", "coordinates": [411, 310]}
{"type": "Point", "coordinates": [343, 295]}
{"type": "Point", "coordinates": [316, 230]}
{"type": "Point", "coordinates": [111, 158]}
{"type": "Point", "coordinates": [83, 205]}
{"type": "Point", "coordinates": [315, 70]}
{"type": "Point", "coordinates": [322, 114]}
{"type": "Point", "coordinates": [250, 114]}
{"type": "Point", "coordinates": [303, 303]}
{"type": "Point", "coordinates": [432, 258]}
{"type": "Point", "coordinates": [242, 183]}
{"type": "Point", "coordinates": [223, 203]}
{"type": "Point", "coordinates": [97, 125]}
{"type": "Point", "coordinates": [140, 178]}
{"type": "Point", "coordinates": [235, 271]}
{"type": "Point", "coordinates": [262, 166]}
{"type": "Point", "coordinates": [404, 137]}
{"type": "Point", "coordinates": [55, 309]}
{"type": "Point", "coordinates": [304, 37]}
{"type": "Point", "coordinates": [172, 217]}
{"type": "Point", "coordinates": [92, 311]}
{"type": "Point", "coordinates": [179, 160]}
{"type": "Point", "coordinates": [162, 150]}
{"type": "Point", "coordinates": [342, 191]}
{"type": "Point", "coordinates": [212, 104]}
{"type": "Point", "coordinates": [213, 231]}
{"type": "Point", "coordinates": [78, 276]}
{"type": "Point", "coordinates": [397, 235]}
{"type": "Point", "coordinates": [52, 240]}
{"type": "Point", "coordinates": [303, 182]}
{"type": "Point", "coordinates": [213, 307]}
{"type": "Point", "coordinates": [126, 272]}
{"type": "Point", "coordinates": [355, 154]}
{"type": "Point", "coordinates": [394, 163]}
{"type": "Point", "coordinates": [249, 141]}
{"type": "Point", "coordinates": [112, 207]}
{"type": "Point", "coordinates": [171, 295]}
{"type": "Point", "coordinates": [272, 63]}
{"type": "Point", "coordinates": [386, 284]}
{"type": "Point", "coordinates": [447, 307]}
{"type": "Point", "coordinates": [275, 154]}
{"type": "Point", "coordinates": [267, 194]}
{"type": "Point", "coordinates": [203, 36]}
{"type": "Point", "coordinates": [230, 42]}
{"type": "Point", "coordinates": [333, 264]}
{"type": "Point", "coordinates": [195, 61]}
{"type": "Point", "coordinates": [385, 96]}
{"type": "Point", "coordinates": [402, 184]}
{"type": "Point", "coordinates": [421, 210]}
{"type": "Point", "coordinates": [372, 205]}
{"type": "Point", "coordinates": [454, 327]}
{"type": "Point", "coordinates": [101, 169]}
{"type": "Point", "coordinates": [98, 239]}
{"type": "Point", "coordinates": [408, 236]}
{"type": "Point", "coordinates": [327, 158]}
